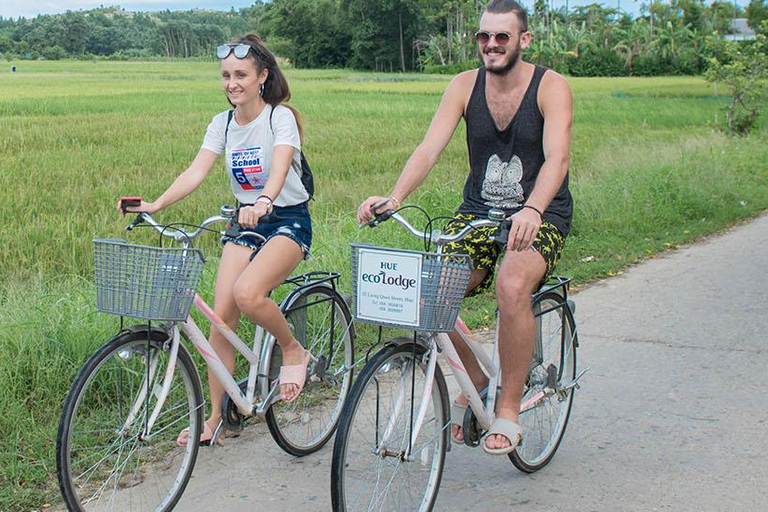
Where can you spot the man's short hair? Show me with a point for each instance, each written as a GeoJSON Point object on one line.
{"type": "Point", "coordinates": [504, 6]}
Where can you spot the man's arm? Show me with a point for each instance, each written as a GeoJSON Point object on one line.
{"type": "Point", "coordinates": [556, 104]}
{"type": "Point", "coordinates": [444, 123]}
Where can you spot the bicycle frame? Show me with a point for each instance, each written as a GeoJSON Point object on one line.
{"type": "Point", "coordinates": [258, 358]}
{"type": "Point", "coordinates": [483, 411]}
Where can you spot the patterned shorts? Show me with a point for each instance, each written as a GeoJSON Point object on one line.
{"type": "Point", "coordinates": [484, 252]}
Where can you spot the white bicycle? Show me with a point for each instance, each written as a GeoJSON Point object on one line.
{"type": "Point", "coordinates": [394, 432]}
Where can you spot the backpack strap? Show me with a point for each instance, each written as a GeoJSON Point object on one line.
{"type": "Point", "coordinates": [307, 180]}
{"type": "Point", "coordinates": [230, 114]}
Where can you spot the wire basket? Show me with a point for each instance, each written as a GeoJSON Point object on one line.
{"type": "Point", "coordinates": [443, 280]}
{"type": "Point", "coordinates": [152, 283]}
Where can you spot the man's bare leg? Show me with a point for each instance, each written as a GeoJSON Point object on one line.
{"type": "Point", "coordinates": [519, 274]}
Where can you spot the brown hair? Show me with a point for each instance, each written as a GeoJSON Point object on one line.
{"type": "Point", "coordinates": [276, 90]}
{"type": "Point", "coordinates": [505, 6]}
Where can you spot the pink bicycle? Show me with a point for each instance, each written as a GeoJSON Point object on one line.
{"type": "Point", "coordinates": [116, 445]}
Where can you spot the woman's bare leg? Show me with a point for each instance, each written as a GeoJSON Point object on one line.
{"type": "Point", "coordinates": [234, 260]}
{"type": "Point", "coordinates": [271, 266]}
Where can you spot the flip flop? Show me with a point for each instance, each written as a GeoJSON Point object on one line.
{"type": "Point", "coordinates": [295, 374]}
{"type": "Point", "coordinates": [457, 418]}
{"type": "Point", "coordinates": [205, 438]}
{"type": "Point", "coordinates": [508, 429]}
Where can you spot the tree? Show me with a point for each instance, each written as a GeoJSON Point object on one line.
{"type": "Point", "coordinates": [757, 12]}
{"type": "Point", "coordinates": [745, 76]}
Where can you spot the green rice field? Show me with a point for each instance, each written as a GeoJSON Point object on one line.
{"type": "Point", "coordinates": [649, 171]}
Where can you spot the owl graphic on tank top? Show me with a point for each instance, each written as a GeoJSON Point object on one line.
{"type": "Point", "coordinates": [501, 186]}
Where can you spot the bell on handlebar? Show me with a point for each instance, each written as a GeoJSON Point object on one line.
{"type": "Point", "coordinates": [496, 214]}
{"type": "Point", "coordinates": [228, 211]}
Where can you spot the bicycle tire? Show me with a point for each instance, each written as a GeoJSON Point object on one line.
{"type": "Point", "coordinates": [359, 466]}
{"type": "Point", "coordinates": [317, 315]}
{"type": "Point", "coordinates": [544, 425]}
{"type": "Point", "coordinates": [102, 465]}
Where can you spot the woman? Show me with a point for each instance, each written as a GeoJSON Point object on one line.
{"type": "Point", "coordinates": [261, 142]}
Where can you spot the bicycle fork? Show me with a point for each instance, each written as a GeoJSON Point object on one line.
{"type": "Point", "coordinates": [415, 423]}
{"type": "Point", "coordinates": [161, 394]}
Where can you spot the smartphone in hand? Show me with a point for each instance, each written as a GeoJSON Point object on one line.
{"type": "Point", "coordinates": [129, 201]}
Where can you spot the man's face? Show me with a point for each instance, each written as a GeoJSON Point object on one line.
{"type": "Point", "coordinates": [498, 57]}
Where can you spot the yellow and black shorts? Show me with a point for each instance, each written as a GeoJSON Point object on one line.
{"type": "Point", "coordinates": [484, 252]}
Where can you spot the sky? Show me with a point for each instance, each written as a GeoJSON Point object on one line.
{"type": "Point", "coordinates": [30, 9]}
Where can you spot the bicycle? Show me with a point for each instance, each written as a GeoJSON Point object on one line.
{"type": "Point", "coordinates": [390, 447]}
{"type": "Point", "coordinates": [116, 446]}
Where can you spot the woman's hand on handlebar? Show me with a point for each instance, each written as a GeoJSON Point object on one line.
{"type": "Point", "coordinates": [139, 206]}
{"type": "Point", "coordinates": [381, 204]}
{"type": "Point", "coordinates": [249, 215]}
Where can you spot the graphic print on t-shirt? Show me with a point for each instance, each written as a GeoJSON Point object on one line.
{"type": "Point", "coordinates": [246, 167]}
{"type": "Point", "coordinates": [501, 186]}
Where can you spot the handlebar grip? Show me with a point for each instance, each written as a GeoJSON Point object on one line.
{"type": "Point", "coordinates": [234, 229]}
{"type": "Point", "coordinates": [502, 236]}
{"type": "Point", "coordinates": [379, 218]}
{"type": "Point", "coordinates": [138, 220]}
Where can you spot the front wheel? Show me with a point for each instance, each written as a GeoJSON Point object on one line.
{"type": "Point", "coordinates": [105, 459]}
{"type": "Point", "coordinates": [320, 319]}
{"type": "Point", "coordinates": [372, 468]}
{"type": "Point", "coordinates": [548, 401]}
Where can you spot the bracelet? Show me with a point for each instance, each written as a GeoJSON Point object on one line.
{"type": "Point", "coordinates": [395, 201]}
{"type": "Point", "coordinates": [534, 209]}
{"type": "Point", "coordinates": [265, 199]}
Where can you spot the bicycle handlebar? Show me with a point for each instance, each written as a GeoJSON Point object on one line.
{"type": "Point", "coordinates": [495, 218]}
{"type": "Point", "coordinates": [228, 214]}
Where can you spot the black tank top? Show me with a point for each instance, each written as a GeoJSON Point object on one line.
{"type": "Point", "coordinates": [504, 164]}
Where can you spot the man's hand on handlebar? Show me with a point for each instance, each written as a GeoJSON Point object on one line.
{"type": "Point", "coordinates": [525, 227]}
{"type": "Point", "coordinates": [374, 205]}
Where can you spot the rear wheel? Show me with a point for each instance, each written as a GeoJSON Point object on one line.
{"type": "Point", "coordinates": [319, 318]}
{"type": "Point", "coordinates": [370, 470]}
{"type": "Point", "coordinates": [553, 367]}
{"type": "Point", "coordinates": [105, 460]}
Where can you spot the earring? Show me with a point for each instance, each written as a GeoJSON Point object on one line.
{"type": "Point", "coordinates": [261, 89]}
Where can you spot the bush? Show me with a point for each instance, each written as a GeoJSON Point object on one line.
{"type": "Point", "coordinates": [555, 59]}
{"type": "Point", "coordinates": [649, 65]}
{"type": "Point", "coordinates": [451, 69]}
{"type": "Point", "coordinates": [593, 61]}
{"type": "Point", "coordinates": [53, 53]}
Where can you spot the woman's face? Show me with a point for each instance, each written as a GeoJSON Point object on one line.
{"type": "Point", "coordinates": [241, 79]}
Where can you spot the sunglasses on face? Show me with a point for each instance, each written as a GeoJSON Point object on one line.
{"type": "Point", "coordinates": [241, 50]}
{"type": "Point", "coordinates": [483, 37]}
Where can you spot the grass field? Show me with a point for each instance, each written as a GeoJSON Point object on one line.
{"type": "Point", "coordinates": [648, 172]}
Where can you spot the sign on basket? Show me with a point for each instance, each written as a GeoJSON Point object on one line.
{"type": "Point", "coordinates": [388, 286]}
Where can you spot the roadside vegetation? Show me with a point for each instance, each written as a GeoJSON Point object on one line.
{"type": "Point", "coordinates": [649, 171]}
{"type": "Point", "coordinates": [674, 37]}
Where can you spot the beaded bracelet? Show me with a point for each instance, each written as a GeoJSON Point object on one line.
{"type": "Point", "coordinates": [534, 209]}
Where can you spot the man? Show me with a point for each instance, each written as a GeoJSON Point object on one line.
{"type": "Point", "coordinates": [518, 119]}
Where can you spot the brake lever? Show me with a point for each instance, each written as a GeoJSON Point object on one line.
{"type": "Point", "coordinates": [138, 220]}
{"type": "Point", "coordinates": [502, 237]}
{"type": "Point", "coordinates": [378, 218]}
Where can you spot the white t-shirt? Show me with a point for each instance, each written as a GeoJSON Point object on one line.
{"type": "Point", "coordinates": [249, 154]}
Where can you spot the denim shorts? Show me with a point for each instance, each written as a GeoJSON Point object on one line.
{"type": "Point", "coordinates": [291, 221]}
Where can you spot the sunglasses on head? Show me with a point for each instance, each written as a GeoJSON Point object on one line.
{"type": "Point", "coordinates": [240, 50]}
{"type": "Point", "coordinates": [483, 37]}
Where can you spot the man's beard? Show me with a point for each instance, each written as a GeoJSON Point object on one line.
{"type": "Point", "coordinates": [508, 66]}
